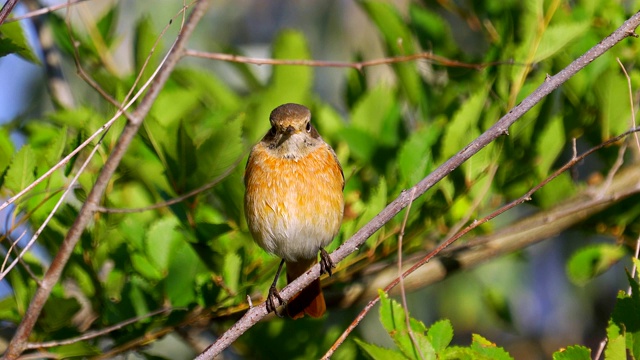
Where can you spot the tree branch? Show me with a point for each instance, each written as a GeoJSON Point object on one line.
{"type": "Point", "coordinates": [18, 343]}
{"type": "Point", "coordinates": [500, 128]}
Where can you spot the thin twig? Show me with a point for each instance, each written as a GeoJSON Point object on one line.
{"type": "Point", "coordinates": [341, 64]}
{"type": "Point", "coordinates": [633, 112]}
{"type": "Point", "coordinates": [6, 10]}
{"type": "Point", "coordinates": [45, 10]}
{"type": "Point", "coordinates": [18, 343]}
{"type": "Point", "coordinates": [499, 129]}
{"type": "Point", "coordinates": [96, 333]}
{"type": "Point", "coordinates": [403, 295]}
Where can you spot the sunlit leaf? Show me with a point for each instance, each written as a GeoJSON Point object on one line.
{"type": "Point", "coordinates": [591, 261]}
{"type": "Point", "coordinates": [22, 169]}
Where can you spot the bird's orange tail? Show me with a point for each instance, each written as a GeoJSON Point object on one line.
{"type": "Point", "coordinates": [310, 300]}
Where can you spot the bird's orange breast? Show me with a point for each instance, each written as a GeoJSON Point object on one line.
{"type": "Point", "coordinates": [293, 206]}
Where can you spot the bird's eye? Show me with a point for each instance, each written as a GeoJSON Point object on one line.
{"type": "Point", "coordinates": [308, 126]}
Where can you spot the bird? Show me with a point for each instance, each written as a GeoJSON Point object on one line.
{"type": "Point", "coordinates": [294, 203]}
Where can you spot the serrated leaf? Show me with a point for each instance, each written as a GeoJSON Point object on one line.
{"type": "Point", "coordinates": [440, 335]}
{"type": "Point", "coordinates": [615, 343]}
{"type": "Point", "coordinates": [549, 145]}
{"type": "Point", "coordinates": [393, 319]}
{"type": "Point", "coordinates": [14, 40]}
{"type": "Point", "coordinates": [591, 261]}
{"type": "Point", "coordinates": [379, 353]}
{"type": "Point", "coordinates": [556, 37]}
{"type": "Point", "coordinates": [21, 170]}
{"type": "Point", "coordinates": [575, 352]}
{"type": "Point", "coordinates": [487, 348]}
{"type": "Point", "coordinates": [160, 236]}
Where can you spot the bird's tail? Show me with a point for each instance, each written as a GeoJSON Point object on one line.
{"type": "Point", "coordinates": [310, 300]}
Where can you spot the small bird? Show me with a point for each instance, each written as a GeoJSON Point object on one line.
{"type": "Point", "coordinates": [294, 203]}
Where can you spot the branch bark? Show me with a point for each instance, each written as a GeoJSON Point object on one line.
{"type": "Point", "coordinates": [52, 276]}
{"type": "Point", "coordinates": [255, 314]}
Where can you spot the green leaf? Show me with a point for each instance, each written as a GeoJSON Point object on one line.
{"type": "Point", "coordinates": [399, 41]}
{"type": "Point", "coordinates": [6, 149]}
{"type": "Point", "coordinates": [231, 272]}
{"type": "Point", "coordinates": [613, 98]}
{"type": "Point", "coordinates": [486, 348]}
{"type": "Point", "coordinates": [440, 335]}
{"type": "Point", "coordinates": [161, 236]}
{"type": "Point", "coordinates": [575, 352]}
{"type": "Point", "coordinates": [21, 170]}
{"type": "Point", "coordinates": [463, 128]}
{"type": "Point", "coordinates": [376, 203]}
{"type": "Point", "coordinates": [361, 144]}
{"type": "Point", "coordinates": [415, 156]}
{"type": "Point", "coordinates": [379, 353]}
{"type": "Point", "coordinates": [79, 349]}
{"type": "Point", "coordinates": [557, 37]}
{"type": "Point", "coordinates": [107, 24]}
{"type": "Point", "coordinates": [144, 267]}
{"type": "Point", "coordinates": [393, 319]}
{"type": "Point", "coordinates": [183, 269]}
{"type": "Point", "coordinates": [218, 152]}
{"type": "Point", "coordinates": [14, 40]}
{"type": "Point", "coordinates": [591, 261]}
{"type": "Point", "coordinates": [144, 39]}
{"type": "Point", "coordinates": [377, 114]}
{"type": "Point", "coordinates": [549, 145]}
{"type": "Point", "coordinates": [615, 343]}
{"type": "Point", "coordinates": [57, 313]}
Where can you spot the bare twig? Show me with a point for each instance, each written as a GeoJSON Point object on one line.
{"type": "Point", "coordinates": [403, 295]}
{"type": "Point", "coordinates": [97, 333]}
{"type": "Point", "coordinates": [18, 343]}
{"type": "Point", "coordinates": [45, 10]}
{"type": "Point", "coordinates": [500, 128]}
{"type": "Point", "coordinates": [633, 112]}
{"type": "Point", "coordinates": [6, 10]}
{"type": "Point", "coordinates": [340, 64]}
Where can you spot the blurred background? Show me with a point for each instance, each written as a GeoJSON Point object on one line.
{"type": "Point", "coordinates": [390, 126]}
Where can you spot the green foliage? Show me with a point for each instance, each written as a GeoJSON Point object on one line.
{"type": "Point", "coordinates": [14, 40]}
{"type": "Point", "coordinates": [394, 124]}
{"type": "Point", "coordinates": [591, 261]}
{"type": "Point", "coordinates": [415, 341]}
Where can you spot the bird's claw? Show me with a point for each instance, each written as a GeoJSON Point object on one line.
{"type": "Point", "coordinates": [326, 264]}
{"type": "Point", "coordinates": [272, 297]}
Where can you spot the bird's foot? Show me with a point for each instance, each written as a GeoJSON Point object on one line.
{"type": "Point", "coordinates": [326, 264]}
{"type": "Point", "coordinates": [274, 295]}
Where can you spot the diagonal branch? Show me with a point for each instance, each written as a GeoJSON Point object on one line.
{"type": "Point", "coordinates": [500, 128]}
{"type": "Point", "coordinates": [18, 343]}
